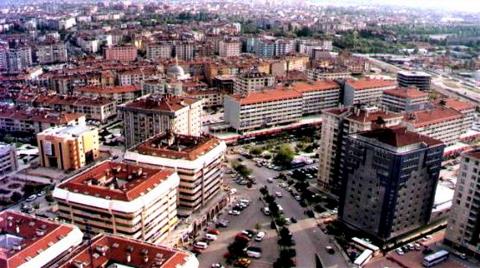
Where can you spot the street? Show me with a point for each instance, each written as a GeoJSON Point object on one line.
{"type": "Point", "coordinates": [308, 237]}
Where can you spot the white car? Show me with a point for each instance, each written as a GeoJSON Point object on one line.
{"type": "Point", "coordinates": [270, 180]}
{"type": "Point", "coordinates": [233, 191]}
{"type": "Point", "coordinates": [259, 237]}
{"type": "Point", "coordinates": [211, 237]}
{"type": "Point", "coordinates": [200, 245]}
{"type": "Point", "coordinates": [278, 194]}
{"type": "Point", "coordinates": [234, 212]}
{"type": "Point", "coordinates": [31, 198]}
{"type": "Point", "coordinates": [399, 251]}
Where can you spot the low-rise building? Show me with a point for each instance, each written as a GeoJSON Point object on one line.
{"type": "Point", "coordinates": [118, 251]}
{"type": "Point", "coordinates": [33, 120]}
{"type": "Point", "coordinates": [26, 241]}
{"type": "Point", "coordinates": [404, 99]}
{"type": "Point", "coordinates": [119, 94]}
{"type": "Point", "coordinates": [121, 53]}
{"type": "Point", "coordinates": [197, 160]}
{"type": "Point", "coordinates": [420, 80]}
{"type": "Point", "coordinates": [8, 158]}
{"type": "Point", "coordinates": [439, 122]}
{"type": "Point", "coordinates": [119, 198]}
{"type": "Point", "coordinates": [146, 117]}
{"type": "Point", "coordinates": [365, 91]}
{"type": "Point", "coordinates": [68, 148]}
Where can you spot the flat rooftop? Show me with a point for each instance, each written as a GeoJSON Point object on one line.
{"type": "Point", "coordinates": [106, 250]}
{"type": "Point", "coordinates": [176, 146]}
{"type": "Point", "coordinates": [67, 131]}
{"type": "Point", "coordinates": [116, 181]}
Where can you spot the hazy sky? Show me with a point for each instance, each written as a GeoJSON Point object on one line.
{"type": "Point", "coordinates": [458, 5]}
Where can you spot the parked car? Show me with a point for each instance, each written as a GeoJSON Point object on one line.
{"type": "Point", "coordinates": [266, 211]}
{"type": "Point", "coordinates": [222, 223]}
{"type": "Point", "coordinates": [234, 212]}
{"type": "Point", "coordinates": [269, 180]}
{"type": "Point", "coordinates": [399, 251]}
{"type": "Point", "coordinates": [254, 252]}
{"type": "Point", "coordinates": [259, 237]}
{"type": "Point", "coordinates": [31, 198]}
{"type": "Point", "coordinates": [200, 245]}
{"type": "Point", "coordinates": [278, 194]}
{"type": "Point", "coordinates": [214, 231]}
{"type": "Point", "coordinates": [217, 265]}
{"type": "Point", "coordinates": [330, 250]}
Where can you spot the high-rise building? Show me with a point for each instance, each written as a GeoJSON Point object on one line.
{"type": "Point", "coordinates": [229, 48]}
{"type": "Point", "coordinates": [337, 124]}
{"type": "Point", "coordinates": [365, 91]}
{"type": "Point", "coordinates": [197, 160]}
{"type": "Point", "coordinates": [463, 227]}
{"type": "Point", "coordinates": [68, 148]}
{"type": "Point", "coordinates": [18, 59]}
{"type": "Point", "coordinates": [185, 51]}
{"type": "Point", "coordinates": [27, 241]}
{"type": "Point", "coordinates": [120, 198]}
{"type": "Point", "coordinates": [389, 182]}
{"type": "Point", "coordinates": [146, 117]}
{"type": "Point", "coordinates": [420, 80]}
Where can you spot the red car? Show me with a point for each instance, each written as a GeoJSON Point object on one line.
{"type": "Point", "coordinates": [241, 237]}
{"type": "Point", "coordinates": [214, 231]}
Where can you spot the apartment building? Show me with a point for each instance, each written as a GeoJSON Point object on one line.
{"type": "Point", "coordinates": [365, 91]}
{"type": "Point", "coordinates": [17, 59]}
{"type": "Point", "coordinates": [439, 122]}
{"type": "Point", "coordinates": [389, 181]}
{"type": "Point", "coordinates": [229, 48]}
{"type": "Point", "coordinates": [146, 117]}
{"type": "Point", "coordinates": [253, 80]}
{"type": "Point", "coordinates": [337, 124]}
{"type": "Point", "coordinates": [51, 53]}
{"type": "Point", "coordinates": [325, 73]}
{"type": "Point", "coordinates": [121, 53]}
{"type": "Point", "coordinates": [420, 80]}
{"type": "Point", "coordinates": [318, 95]}
{"type": "Point", "coordinates": [118, 94]}
{"type": "Point", "coordinates": [463, 222]}
{"type": "Point", "coordinates": [68, 148]}
{"type": "Point", "coordinates": [27, 241]}
{"type": "Point", "coordinates": [33, 120]}
{"type": "Point", "coordinates": [263, 109]}
{"type": "Point", "coordinates": [8, 158]}
{"type": "Point", "coordinates": [160, 51]}
{"type": "Point", "coordinates": [197, 160]}
{"type": "Point", "coordinates": [118, 251]}
{"type": "Point", "coordinates": [466, 108]}
{"type": "Point", "coordinates": [100, 109]}
{"type": "Point", "coordinates": [120, 198]}
{"type": "Point", "coordinates": [404, 99]}
{"type": "Point", "coordinates": [184, 51]}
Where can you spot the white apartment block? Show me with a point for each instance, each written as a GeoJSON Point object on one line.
{"type": "Point", "coordinates": [263, 109]}
{"type": "Point", "coordinates": [440, 123]}
{"type": "Point", "coordinates": [119, 198]}
{"type": "Point", "coordinates": [197, 160]}
{"type": "Point", "coordinates": [404, 99]}
{"type": "Point", "coordinates": [229, 48]}
{"type": "Point", "coordinates": [463, 223]}
{"type": "Point", "coordinates": [152, 115]}
{"type": "Point", "coordinates": [318, 95]}
{"type": "Point", "coordinates": [365, 91]}
{"type": "Point", "coordinates": [322, 74]}
{"type": "Point", "coordinates": [253, 81]}
{"type": "Point", "coordinates": [8, 159]}
{"type": "Point", "coordinates": [159, 51]}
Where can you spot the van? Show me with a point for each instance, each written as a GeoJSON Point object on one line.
{"type": "Point", "coordinates": [200, 245]}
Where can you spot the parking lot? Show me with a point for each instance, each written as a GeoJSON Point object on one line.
{"type": "Point", "coordinates": [310, 239]}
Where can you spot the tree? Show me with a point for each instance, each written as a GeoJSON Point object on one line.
{"type": "Point", "coordinates": [256, 150]}
{"type": "Point", "coordinates": [285, 237]}
{"type": "Point", "coordinates": [242, 170]}
{"type": "Point", "coordinates": [236, 247]}
{"type": "Point", "coordinates": [284, 155]}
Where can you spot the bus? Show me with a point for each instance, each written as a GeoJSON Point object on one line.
{"type": "Point", "coordinates": [361, 260]}
{"type": "Point", "coordinates": [435, 258]}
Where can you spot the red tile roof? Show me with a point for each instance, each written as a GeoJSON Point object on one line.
{"type": "Point", "coordinates": [270, 95]}
{"type": "Point", "coordinates": [406, 93]}
{"type": "Point", "coordinates": [168, 103]}
{"type": "Point", "coordinates": [118, 249]}
{"type": "Point", "coordinates": [315, 86]}
{"type": "Point", "coordinates": [109, 90]}
{"type": "Point", "coordinates": [399, 137]}
{"type": "Point", "coordinates": [32, 242]}
{"type": "Point", "coordinates": [458, 104]}
{"type": "Point", "coordinates": [370, 83]}
{"type": "Point", "coordinates": [432, 116]}
{"type": "Point", "coordinates": [364, 116]}
{"type": "Point", "coordinates": [183, 146]}
{"type": "Point", "coordinates": [37, 115]}
{"type": "Point", "coordinates": [101, 180]}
